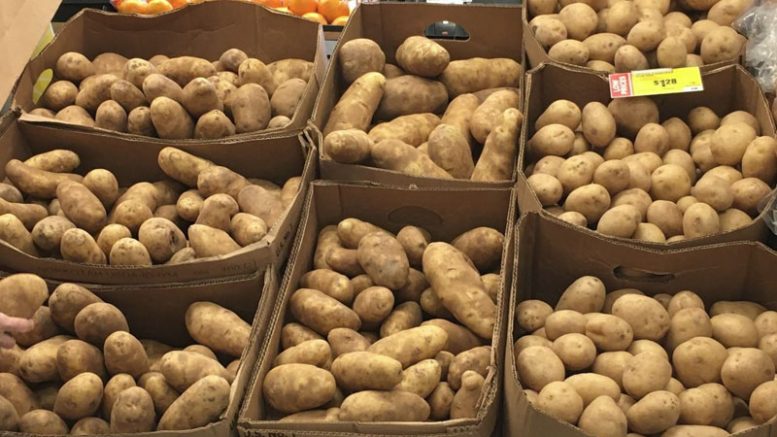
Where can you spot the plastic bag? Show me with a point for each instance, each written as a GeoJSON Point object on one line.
{"type": "Point", "coordinates": [759, 24]}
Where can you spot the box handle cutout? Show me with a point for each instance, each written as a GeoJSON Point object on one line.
{"type": "Point", "coordinates": [415, 215]}
{"type": "Point", "coordinates": [42, 84]}
{"type": "Point", "coordinates": [447, 30]}
{"type": "Point", "coordinates": [641, 275]}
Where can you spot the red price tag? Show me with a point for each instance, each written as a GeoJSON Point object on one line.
{"type": "Point", "coordinates": [620, 85]}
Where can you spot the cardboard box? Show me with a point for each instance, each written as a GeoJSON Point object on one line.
{"type": "Point", "coordinates": [537, 55]}
{"type": "Point", "coordinates": [205, 30]}
{"type": "Point", "coordinates": [135, 161]}
{"type": "Point", "coordinates": [725, 89]}
{"type": "Point", "coordinates": [446, 213]}
{"type": "Point", "coordinates": [494, 31]}
{"type": "Point", "coordinates": [551, 254]}
{"type": "Point", "coordinates": [249, 296]}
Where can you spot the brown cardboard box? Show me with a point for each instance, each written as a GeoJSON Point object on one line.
{"type": "Point", "coordinates": [726, 89]}
{"type": "Point", "coordinates": [536, 53]}
{"type": "Point", "coordinates": [551, 254]}
{"type": "Point", "coordinates": [249, 296]}
{"type": "Point", "coordinates": [135, 161]}
{"type": "Point", "coordinates": [446, 213]}
{"type": "Point", "coordinates": [204, 30]}
{"type": "Point", "coordinates": [494, 31]}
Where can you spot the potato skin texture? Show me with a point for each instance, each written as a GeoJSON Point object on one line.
{"type": "Point", "coordinates": [421, 56]}
{"type": "Point", "coordinates": [200, 404]}
{"type": "Point", "coordinates": [22, 294]}
{"type": "Point", "coordinates": [291, 388]}
{"type": "Point", "coordinates": [377, 406]}
{"type": "Point", "coordinates": [461, 295]}
{"type": "Point", "coordinates": [412, 345]}
{"type": "Point", "coordinates": [205, 319]}
{"type": "Point", "coordinates": [358, 104]}
{"type": "Point", "coordinates": [475, 74]}
{"type": "Point", "coordinates": [80, 397]}
{"type": "Point", "coordinates": [133, 411]}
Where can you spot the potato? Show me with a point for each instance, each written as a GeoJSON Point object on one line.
{"type": "Point", "coordinates": [421, 56]}
{"type": "Point", "coordinates": [721, 44]}
{"type": "Point", "coordinates": [553, 139]}
{"type": "Point", "coordinates": [82, 207]}
{"type": "Point", "coordinates": [129, 252]}
{"type": "Point", "coordinates": [562, 112]}
{"type": "Point", "coordinates": [686, 324]}
{"type": "Point", "coordinates": [591, 386]}
{"type": "Point", "coordinates": [44, 328]}
{"type": "Point", "coordinates": [450, 150]}
{"type": "Point", "coordinates": [486, 116]}
{"type": "Point", "coordinates": [620, 221]}
{"type": "Point", "coordinates": [579, 19]}
{"type": "Point", "coordinates": [42, 422]}
{"type": "Point", "coordinates": [90, 426]}
{"type": "Point", "coordinates": [569, 51]}
{"type": "Point", "coordinates": [538, 366]}
{"type": "Point", "coordinates": [585, 295]}
{"type": "Point", "coordinates": [59, 95]}
{"type": "Point", "coordinates": [414, 240]}
{"type": "Point", "coordinates": [213, 125]}
{"type": "Point", "coordinates": [199, 405]}
{"type": "Point", "coordinates": [39, 362]}
{"type": "Point", "coordinates": [609, 333]}
{"type": "Point", "coordinates": [74, 67]}
{"type": "Point", "coordinates": [563, 322]}
{"type": "Point", "coordinates": [698, 361]}
{"type": "Point", "coordinates": [139, 122]}
{"type": "Point", "coordinates": [96, 321]}
{"type": "Point", "coordinates": [531, 314]}
{"type": "Point", "coordinates": [748, 194]}
{"type": "Point", "coordinates": [645, 373]}
{"type": "Point", "coordinates": [404, 316]}
{"type": "Point", "coordinates": [360, 56]}
{"type": "Point", "coordinates": [598, 124]}
{"type": "Point", "coordinates": [628, 58]}
{"type": "Point", "coordinates": [439, 260]}
{"type": "Point", "coordinates": [547, 188]}
{"type": "Point", "coordinates": [700, 220]}
{"type": "Point", "coordinates": [22, 294]}
{"type": "Point", "coordinates": [79, 397]}
{"type": "Point", "coordinates": [127, 95]}
{"type": "Point", "coordinates": [9, 418]}
{"type": "Point", "coordinates": [612, 365]}
{"type": "Point", "coordinates": [74, 357]}
{"type": "Point", "coordinates": [745, 369]}
{"type": "Point", "coordinates": [66, 301]}
{"type": "Point", "coordinates": [358, 104]}
{"type": "Point", "coordinates": [671, 53]}
{"type": "Point", "coordinates": [576, 351]}
{"type": "Point", "coordinates": [697, 407]}
{"type": "Point", "coordinates": [125, 354]}
{"type": "Point", "coordinates": [548, 30]}
{"type": "Point", "coordinates": [654, 413]}
{"type": "Point", "coordinates": [482, 245]}
{"type": "Point", "coordinates": [575, 172]}
{"type": "Point", "coordinates": [734, 330]}
{"type": "Point", "coordinates": [292, 388]}
{"type": "Point", "coordinates": [170, 119]}
{"type": "Point", "coordinates": [329, 315]}
{"type": "Point", "coordinates": [133, 411]}
{"type": "Point", "coordinates": [76, 115]}
{"type": "Point", "coordinates": [729, 143]}
{"type": "Point", "coordinates": [648, 318]}
{"type": "Point", "coordinates": [476, 74]}
{"type": "Point", "coordinates": [157, 85]}
{"type": "Point", "coordinates": [603, 417]}
{"type": "Point", "coordinates": [136, 70]}
{"type": "Point", "coordinates": [631, 114]}
{"type": "Point", "coordinates": [356, 371]}
{"type": "Point", "coordinates": [591, 200]}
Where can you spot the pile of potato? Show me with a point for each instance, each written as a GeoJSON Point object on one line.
{"type": "Point", "coordinates": [45, 210]}
{"type": "Point", "coordinates": [104, 380]}
{"type": "Point", "coordinates": [616, 169]}
{"type": "Point", "coordinates": [176, 98]}
{"type": "Point", "coordinates": [623, 362]}
{"type": "Point", "coordinates": [626, 35]}
{"type": "Point", "coordinates": [389, 327]}
{"type": "Point", "coordinates": [475, 138]}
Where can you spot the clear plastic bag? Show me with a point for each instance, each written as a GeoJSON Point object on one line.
{"type": "Point", "coordinates": [759, 25]}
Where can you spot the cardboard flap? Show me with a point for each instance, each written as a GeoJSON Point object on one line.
{"type": "Point", "coordinates": [22, 23]}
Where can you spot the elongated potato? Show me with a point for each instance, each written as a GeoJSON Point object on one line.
{"type": "Point", "coordinates": [358, 104]}
{"type": "Point", "coordinates": [409, 94]}
{"type": "Point", "coordinates": [199, 405]}
{"type": "Point", "coordinates": [291, 388]}
{"type": "Point", "coordinates": [497, 161]}
{"type": "Point", "coordinates": [476, 74]}
{"type": "Point", "coordinates": [486, 116]}
{"type": "Point", "coordinates": [360, 56]}
{"type": "Point", "coordinates": [462, 294]}
{"type": "Point", "coordinates": [412, 345]}
{"type": "Point", "coordinates": [384, 406]}
{"type": "Point", "coordinates": [218, 328]}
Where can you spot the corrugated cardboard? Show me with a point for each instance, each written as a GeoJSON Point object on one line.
{"type": "Point", "coordinates": [135, 161]}
{"type": "Point", "coordinates": [536, 53]}
{"type": "Point", "coordinates": [249, 296]}
{"type": "Point", "coordinates": [446, 213]}
{"type": "Point", "coordinates": [494, 31]}
{"type": "Point", "coordinates": [550, 255]}
{"type": "Point", "coordinates": [23, 23]}
{"type": "Point", "coordinates": [727, 89]}
{"type": "Point", "coordinates": [204, 30]}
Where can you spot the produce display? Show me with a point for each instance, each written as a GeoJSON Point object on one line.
{"type": "Point", "coordinates": [387, 327]}
{"type": "Point", "coordinates": [176, 98]}
{"type": "Point", "coordinates": [622, 362]}
{"type": "Point", "coordinates": [430, 116]}
{"type": "Point", "coordinates": [46, 210]}
{"type": "Point", "coordinates": [150, 7]}
{"type": "Point", "coordinates": [615, 169]}
{"type": "Point", "coordinates": [80, 371]}
{"type": "Point", "coordinates": [625, 35]}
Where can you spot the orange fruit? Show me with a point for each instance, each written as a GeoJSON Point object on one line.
{"type": "Point", "coordinates": [178, 3]}
{"type": "Point", "coordinates": [283, 10]}
{"type": "Point", "coordinates": [158, 7]}
{"type": "Point", "coordinates": [270, 3]}
{"type": "Point", "coordinates": [301, 7]}
{"type": "Point", "coordinates": [133, 7]}
{"type": "Point", "coordinates": [315, 17]}
{"type": "Point", "coordinates": [331, 9]}
{"type": "Point", "coordinates": [340, 21]}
